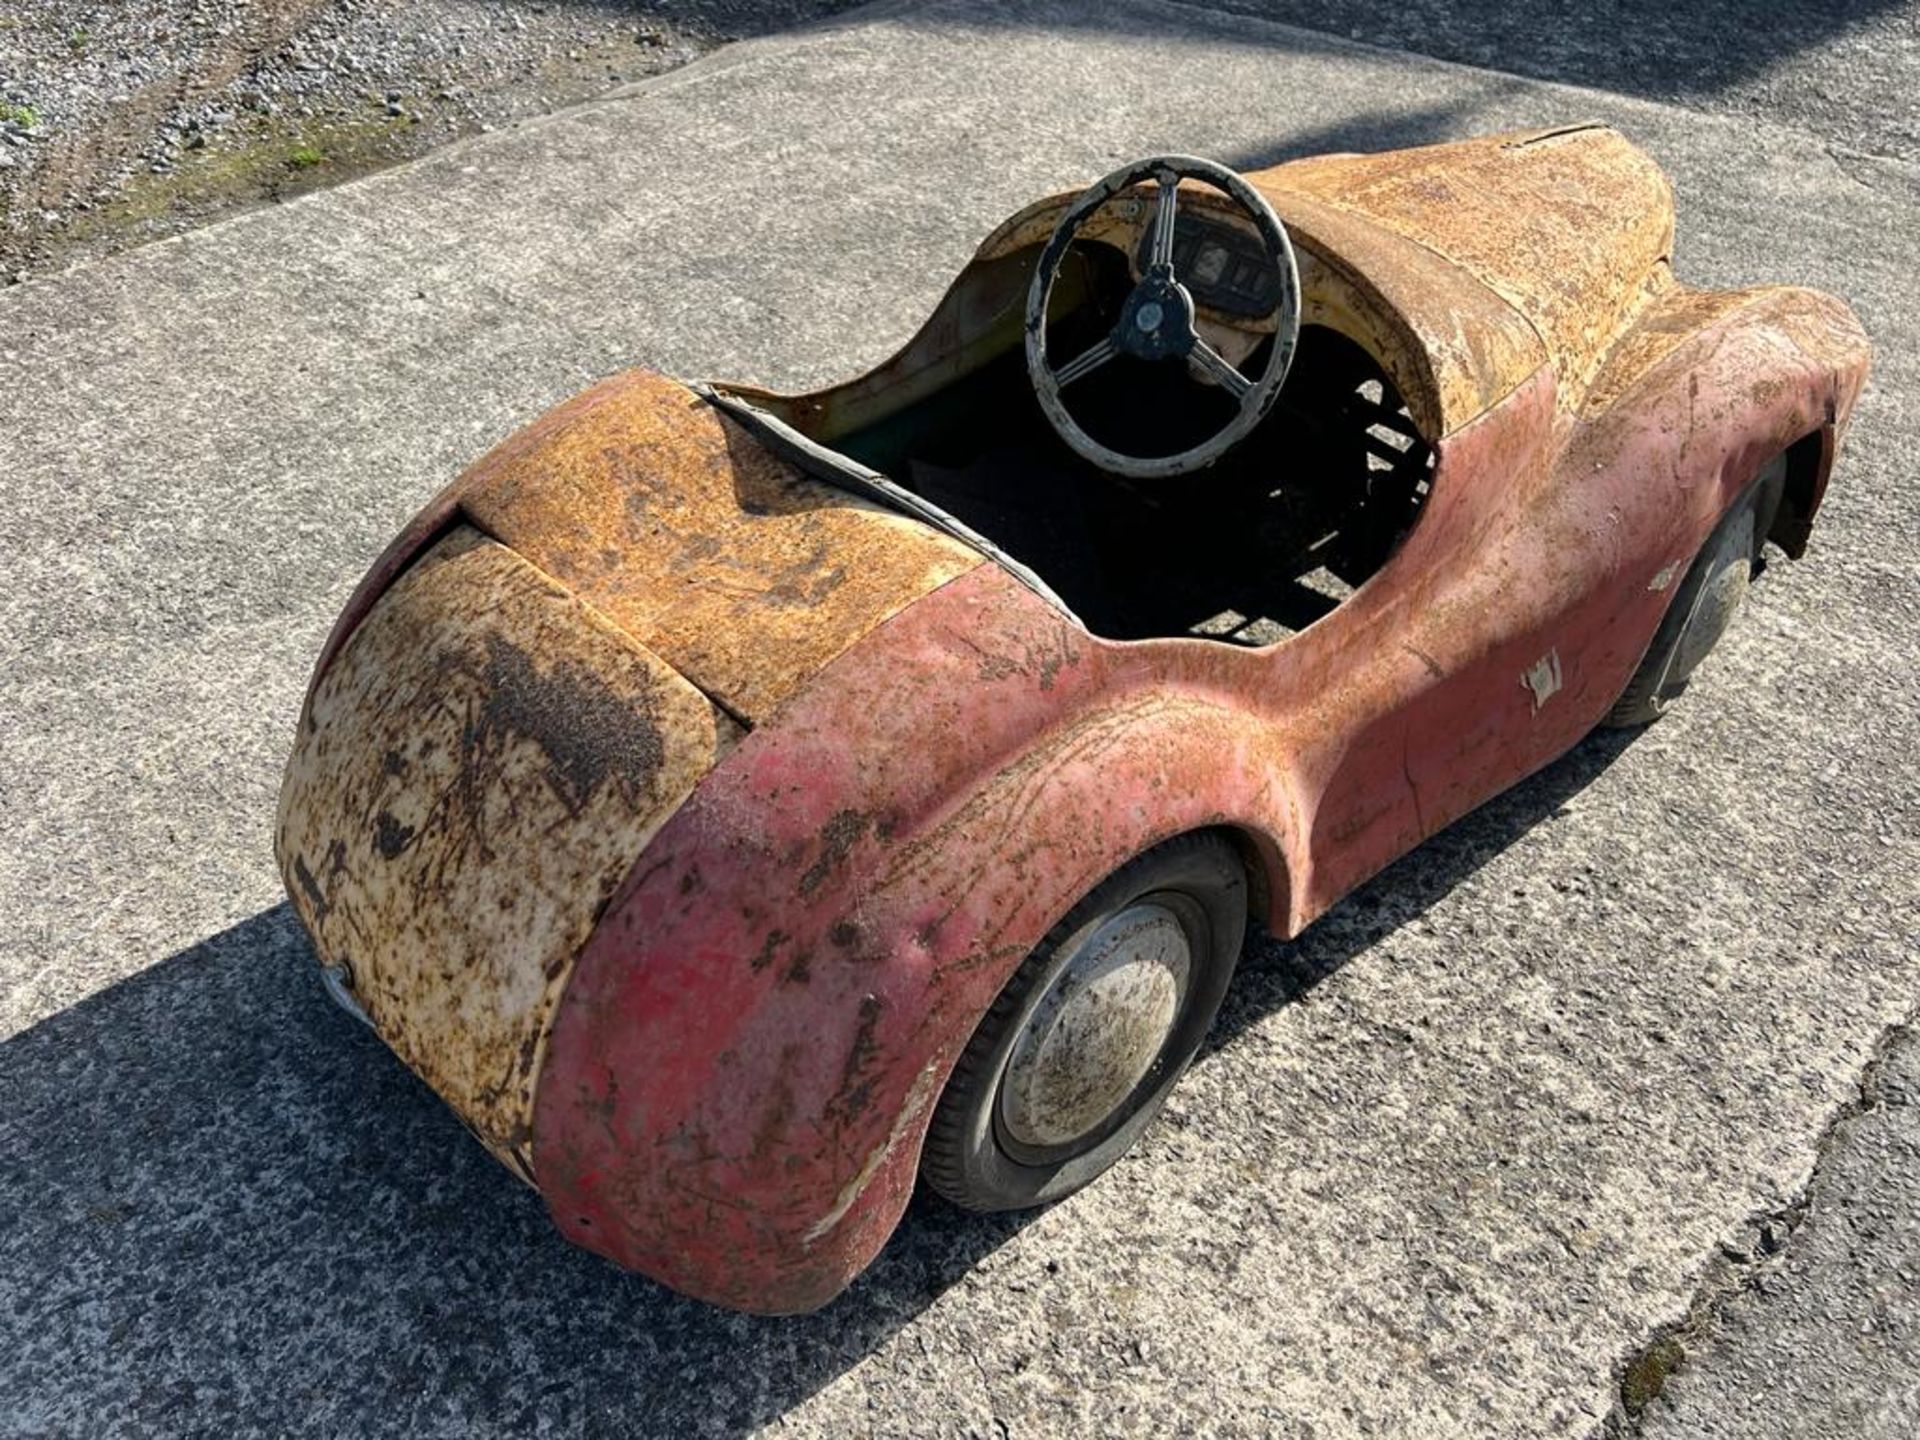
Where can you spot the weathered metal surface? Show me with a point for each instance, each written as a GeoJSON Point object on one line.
{"type": "Point", "coordinates": [478, 767]}
{"type": "Point", "coordinates": [814, 936]}
{"type": "Point", "coordinates": [1452, 347]}
{"type": "Point", "coordinates": [1804, 325]}
{"type": "Point", "coordinates": [834, 908]}
{"type": "Point", "coordinates": [1564, 224]}
{"type": "Point", "coordinates": [1672, 314]}
{"type": "Point", "coordinates": [741, 1066]}
{"type": "Point", "coordinates": [675, 523]}
{"type": "Point", "coordinates": [1409, 252]}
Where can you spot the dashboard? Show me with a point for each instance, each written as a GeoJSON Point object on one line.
{"type": "Point", "coordinates": [1224, 268]}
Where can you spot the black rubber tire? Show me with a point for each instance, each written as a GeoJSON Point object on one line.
{"type": "Point", "coordinates": [1703, 605]}
{"type": "Point", "coordinates": [1203, 879]}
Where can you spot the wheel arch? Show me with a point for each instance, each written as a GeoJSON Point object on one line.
{"type": "Point", "coordinates": [1809, 465]}
{"type": "Point", "coordinates": [1269, 887]}
{"type": "Point", "coordinates": [879, 943]}
{"type": "Point", "coordinates": [1742, 375]}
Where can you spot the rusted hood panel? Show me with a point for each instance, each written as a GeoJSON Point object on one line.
{"type": "Point", "coordinates": [477, 769]}
{"type": "Point", "coordinates": [671, 520]}
{"type": "Point", "coordinates": [1567, 226]}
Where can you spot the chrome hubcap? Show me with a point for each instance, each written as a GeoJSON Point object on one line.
{"type": "Point", "coordinates": [1097, 1031]}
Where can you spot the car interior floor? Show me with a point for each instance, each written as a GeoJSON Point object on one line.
{"type": "Point", "coordinates": [1252, 549]}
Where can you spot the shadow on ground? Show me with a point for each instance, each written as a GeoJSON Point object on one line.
{"type": "Point", "coordinates": [209, 1160]}
{"type": "Point", "coordinates": [1647, 48]}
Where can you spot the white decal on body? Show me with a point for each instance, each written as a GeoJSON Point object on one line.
{"type": "Point", "coordinates": [1543, 678]}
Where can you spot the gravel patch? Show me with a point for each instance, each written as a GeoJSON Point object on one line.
{"type": "Point", "coordinates": [123, 123]}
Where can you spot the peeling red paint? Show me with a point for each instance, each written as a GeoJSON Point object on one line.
{"type": "Point", "coordinates": [1022, 760]}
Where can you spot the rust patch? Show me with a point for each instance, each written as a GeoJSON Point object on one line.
{"type": "Point", "coordinates": [390, 837]}
{"type": "Point", "coordinates": [855, 1091]}
{"type": "Point", "coordinates": [837, 838]}
{"type": "Point", "coordinates": [1565, 225]}
{"type": "Point", "coordinates": [764, 956]}
{"type": "Point", "coordinates": [309, 887]}
{"type": "Point", "coordinates": [733, 566]}
{"type": "Point", "coordinates": [1670, 318]}
{"type": "Point", "coordinates": [588, 731]}
{"type": "Point", "coordinates": [484, 761]}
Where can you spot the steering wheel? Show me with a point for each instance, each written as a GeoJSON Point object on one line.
{"type": "Point", "coordinates": [1156, 322]}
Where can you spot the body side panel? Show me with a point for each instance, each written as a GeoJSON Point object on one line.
{"type": "Point", "coordinates": [1537, 633]}
{"type": "Point", "coordinates": [742, 1068]}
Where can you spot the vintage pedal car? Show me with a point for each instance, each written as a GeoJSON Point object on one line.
{"type": "Point", "coordinates": [735, 804]}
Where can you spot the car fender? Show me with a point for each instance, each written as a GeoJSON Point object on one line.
{"type": "Point", "coordinates": [1558, 539]}
{"type": "Point", "coordinates": [745, 1061]}
{"type": "Point", "coordinates": [1708, 386]}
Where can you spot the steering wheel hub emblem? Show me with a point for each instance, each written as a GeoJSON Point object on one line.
{"type": "Point", "coordinates": [1157, 321]}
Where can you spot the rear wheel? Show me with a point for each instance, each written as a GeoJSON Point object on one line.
{"type": "Point", "coordinates": [1704, 605]}
{"type": "Point", "coordinates": [1081, 1048]}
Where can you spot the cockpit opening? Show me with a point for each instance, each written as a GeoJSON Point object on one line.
{"type": "Point", "coordinates": [1272, 536]}
{"type": "Point", "coordinates": [1269, 539]}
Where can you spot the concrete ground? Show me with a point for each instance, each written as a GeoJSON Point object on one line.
{"type": "Point", "coordinates": [123, 123]}
{"type": "Point", "coordinates": [1553, 1089]}
{"type": "Point", "coordinates": [1819, 1340]}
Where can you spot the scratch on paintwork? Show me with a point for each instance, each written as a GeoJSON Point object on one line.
{"type": "Point", "coordinates": [917, 1098]}
{"type": "Point", "coordinates": [1543, 679]}
{"type": "Point", "coordinates": [1413, 790]}
{"type": "Point", "coordinates": [1693, 406]}
{"type": "Point", "coordinates": [1433, 665]}
{"type": "Point", "coordinates": [1616, 539]}
{"type": "Point", "coordinates": [1664, 577]}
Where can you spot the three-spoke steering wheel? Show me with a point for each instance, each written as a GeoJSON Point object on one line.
{"type": "Point", "coordinates": [1157, 320]}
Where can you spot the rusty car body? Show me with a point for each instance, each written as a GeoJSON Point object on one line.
{"type": "Point", "coordinates": [683, 789]}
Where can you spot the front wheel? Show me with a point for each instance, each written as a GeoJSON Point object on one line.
{"type": "Point", "coordinates": [1704, 605]}
{"type": "Point", "coordinates": [1081, 1048]}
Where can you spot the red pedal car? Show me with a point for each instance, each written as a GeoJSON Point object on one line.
{"type": "Point", "coordinates": [735, 805]}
